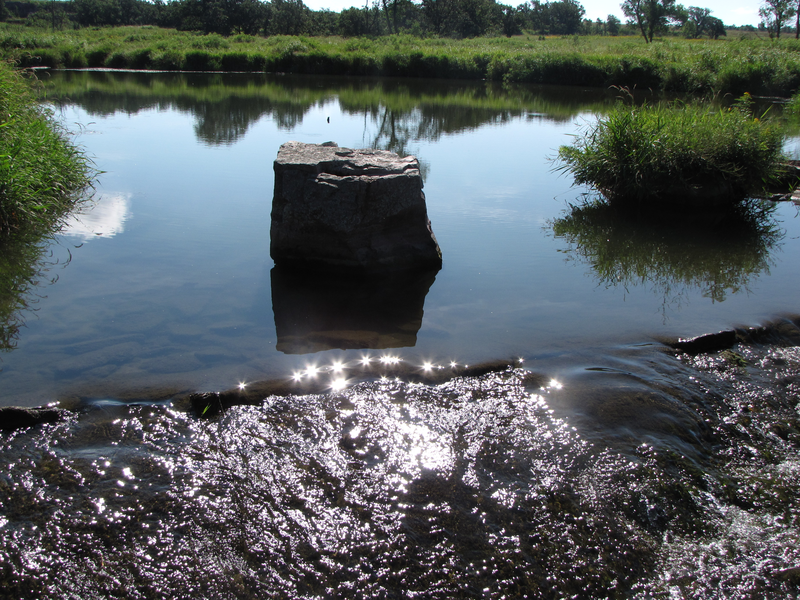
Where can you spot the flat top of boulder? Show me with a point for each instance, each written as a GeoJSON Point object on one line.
{"type": "Point", "coordinates": [329, 158]}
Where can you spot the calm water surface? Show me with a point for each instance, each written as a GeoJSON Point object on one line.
{"type": "Point", "coordinates": [167, 281]}
{"type": "Point", "coordinates": [602, 466]}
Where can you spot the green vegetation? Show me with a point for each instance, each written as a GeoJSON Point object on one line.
{"type": "Point", "coordinates": [700, 67]}
{"type": "Point", "coordinates": [446, 18]}
{"type": "Point", "coordinates": [42, 175]}
{"type": "Point", "coordinates": [673, 155]}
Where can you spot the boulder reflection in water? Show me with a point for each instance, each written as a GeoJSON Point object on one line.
{"type": "Point", "coordinates": [317, 311]}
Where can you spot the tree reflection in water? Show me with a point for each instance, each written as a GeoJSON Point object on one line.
{"type": "Point", "coordinates": [396, 112]}
{"type": "Point", "coordinates": [672, 257]}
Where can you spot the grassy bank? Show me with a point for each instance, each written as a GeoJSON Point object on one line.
{"type": "Point", "coordinates": [42, 175]}
{"type": "Point", "coordinates": [677, 156]}
{"type": "Point", "coordinates": [693, 66]}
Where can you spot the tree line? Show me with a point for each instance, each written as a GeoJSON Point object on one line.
{"type": "Point", "coordinates": [444, 18]}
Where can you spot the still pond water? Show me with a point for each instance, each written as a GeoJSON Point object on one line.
{"type": "Point", "coordinates": [168, 280]}
{"type": "Point", "coordinates": [602, 465]}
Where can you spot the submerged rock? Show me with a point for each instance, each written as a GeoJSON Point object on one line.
{"type": "Point", "coordinates": [17, 417]}
{"type": "Point", "coordinates": [352, 209]}
{"type": "Point", "coordinates": [709, 342]}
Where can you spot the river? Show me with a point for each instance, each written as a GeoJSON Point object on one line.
{"type": "Point", "coordinates": [519, 429]}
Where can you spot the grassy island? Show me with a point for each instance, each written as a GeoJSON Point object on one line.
{"type": "Point", "coordinates": [676, 155]}
{"type": "Point", "coordinates": [42, 174]}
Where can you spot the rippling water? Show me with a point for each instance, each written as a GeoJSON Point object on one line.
{"type": "Point", "coordinates": [642, 472]}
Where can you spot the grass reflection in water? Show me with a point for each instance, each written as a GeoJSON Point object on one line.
{"type": "Point", "coordinates": [718, 258]}
{"type": "Point", "coordinates": [226, 106]}
{"type": "Point", "coordinates": [26, 265]}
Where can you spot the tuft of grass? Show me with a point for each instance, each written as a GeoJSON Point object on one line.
{"type": "Point", "coordinates": [675, 154]}
{"type": "Point", "coordinates": [42, 174]}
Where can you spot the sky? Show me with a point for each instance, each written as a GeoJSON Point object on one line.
{"type": "Point", "coordinates": [732, 12]}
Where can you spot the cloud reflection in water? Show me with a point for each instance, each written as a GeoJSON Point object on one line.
{"type": "Point", "coordinates": [103, 218]}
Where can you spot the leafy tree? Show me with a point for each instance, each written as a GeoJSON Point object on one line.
{"type": "Point", "coordinates": [562, 17]}
{"type": "Point", "coordinates": [209, 16]}
{"type": "Point", "coordinates": [361, 21]}
{"type": "Point", "coordinates": [97, 12]}
{"type": "Point", "coordinates": [539, 16]}
{"type": "Point", "coordinates": [477, 17]}
{"type": "Point", "coordinates": [566, 17]}
{"type": "Point", "coordinates": [699, 17]}
{"type": "Point", "coordinates": [774, 14]}
{"type": "Point", "coordinates": [679, 15]}
{"type": "Point", "coordinates": [715, 28]}
{"type": "Point", "coordinates": [400, 14]}
{"type": "Point", "coordinates": [354, 22]}
{"type": "Point", "coordinates": [439, 14]}
{"type": "Point", "coordinates": [288, 17]}
{"type": "Point", "coordinates": [323, 22]}
{"type": "Point", "coordinates": [511, 21]}
{"type": "Point", "coordinates": [613, 25]}
{"type": "Point", "coordinates": [651, 16]}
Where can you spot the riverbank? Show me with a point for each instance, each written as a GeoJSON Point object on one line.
{"type": "Point", "coordinates": [701, 67]}
{"type": "Point", "coordinates": [43, 174]}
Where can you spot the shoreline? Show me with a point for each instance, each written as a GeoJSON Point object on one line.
{"type": "Point", "coordinates": [701, 68]}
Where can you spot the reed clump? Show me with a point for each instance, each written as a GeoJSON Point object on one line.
{"type": "Point", "coordinates": [42, 174]}
{"type": "Point", "coordinates": [673, 155]}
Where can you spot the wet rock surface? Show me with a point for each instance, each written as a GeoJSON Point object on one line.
{"type": "Point", "coordinates": [18, 417]}
{"type": "Point", "coordinates": [350, 209]}
{"type": "Point", "coordinates": [784, 331]}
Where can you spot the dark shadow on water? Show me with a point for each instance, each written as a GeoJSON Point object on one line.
{"type": "Point", "coordinates": [316, 311]}
{"type": "Point", "coordinates": [671, 256]}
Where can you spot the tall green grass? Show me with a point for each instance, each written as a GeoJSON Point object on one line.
{"type": "Point", "coordinates": [42, 174]}
{"type": "Point", "coordinates": [702, 67]}
{"type": "Point", "coordinates": [677, 155]}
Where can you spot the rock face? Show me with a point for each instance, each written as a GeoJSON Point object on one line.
{"type": "Point", "coordinates": [352, 209]}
